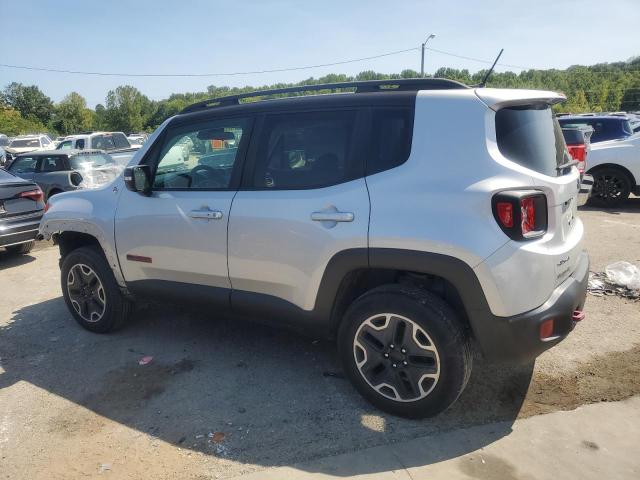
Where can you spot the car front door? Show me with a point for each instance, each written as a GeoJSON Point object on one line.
{"type": "Point", "coordinates": [175, 239]}
{"type": "Point", "coordinates": [303, 200]}
{"type": "Point", "coordinates": [24, 167]}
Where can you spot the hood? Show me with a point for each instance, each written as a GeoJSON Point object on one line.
{"type": "Point", "coordinates": [21, 149]}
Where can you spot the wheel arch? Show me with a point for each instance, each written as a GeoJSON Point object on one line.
{"type": "Point", "coordinates": [347, 277]}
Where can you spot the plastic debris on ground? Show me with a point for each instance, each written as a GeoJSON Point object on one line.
{"type": "Point", "coordinates": [624, 274]}
{"type": "Point", "coordinates": [145, 360]}
{"type": "Point", "coordinates": [618, 279]}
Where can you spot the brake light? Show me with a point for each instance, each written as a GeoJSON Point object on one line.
{"type": "Point", "coordinates": [528, 215]}
{"type": "Point", "coordinates": [521, 214]}
{"type": "Point", "coordinates": [35, 195]}
{"type": "Point", "coordinates": [505, 214]}
{"type": "Point", "coordinates": [578, 152]}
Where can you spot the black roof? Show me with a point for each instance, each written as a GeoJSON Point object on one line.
{"type": "Point", "coordinates": [67, 152]}
{"type": "Point", "coordinates": [387, 87]}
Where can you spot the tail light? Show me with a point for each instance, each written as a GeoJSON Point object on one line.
{"type": "Point", "coordinates": [579, 153]}
{"type": "Point", "coordinates": [36, 195]}
{"type": "Point", "coordinates": [521, 214]}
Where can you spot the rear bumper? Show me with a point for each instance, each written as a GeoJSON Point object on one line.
{"type": "Point", "coordinates": [517, 338]}
{"type": "Point", "coordinates": [14, 231]}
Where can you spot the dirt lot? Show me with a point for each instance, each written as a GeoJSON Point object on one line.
{"type": "Point", "coordinates": [78, 405]}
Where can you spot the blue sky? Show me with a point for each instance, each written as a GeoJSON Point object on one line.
{"type": "Point", "coordinates": [197, 36]}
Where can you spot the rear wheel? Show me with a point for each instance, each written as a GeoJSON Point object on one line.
{"type": "Point", "coordinates": [611, 187]}
{"type": "Point", "coordinates": [91, 291]}
{"type": "Point", "coordinates": [21, 249]}
{"type": "Point", "coordinates": [405, 351]}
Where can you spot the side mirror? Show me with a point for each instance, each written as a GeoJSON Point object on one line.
{"type": "Point", "coordinates": [138, 179]}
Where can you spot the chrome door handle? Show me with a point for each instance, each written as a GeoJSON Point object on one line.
{"type": "Point", "coordinates": [332, 216]}
{"type": "Point", "coordinates": [207, 214]}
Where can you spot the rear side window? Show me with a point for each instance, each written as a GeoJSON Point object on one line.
{"type": "Point", "coordinates": [120, 141]}
{"type": "Point", "coordinates": [390, 142]}
{"type": "Point", "coordinates": [305, 150]}
{"type": "Point", "coordinates": [51, 164]}
{"type": "Point", "coordinates": [101, 142]}
{"type": "Point", "coordinates": [531, 137]}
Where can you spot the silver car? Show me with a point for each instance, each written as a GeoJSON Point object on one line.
{"type": "Point", "coordinates": [57, 171]}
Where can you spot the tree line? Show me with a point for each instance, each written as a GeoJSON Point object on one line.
{"type": "Point", "coordinates": [26, 109]}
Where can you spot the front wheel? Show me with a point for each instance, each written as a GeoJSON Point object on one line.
{"type": "Point", "coordinates": [611, 187]}
{"type": "Point", "coordinates": [91, 291]}
{"type": "Point", "coordinates": [405, 351]}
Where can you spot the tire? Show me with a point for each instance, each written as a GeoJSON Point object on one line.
{"type": "Point", "coordinates": [21, 249]}
{"type": "Point", "coordinates": [433, 364]}
{"type": "Point", "coordinates": [52, 193]}
{"type": "Point", "coordinates": [611, 187]}
{"type": "Point", "coordinates": [99, 310]}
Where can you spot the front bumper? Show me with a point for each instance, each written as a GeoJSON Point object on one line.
{"type": "Point", "coordinates": [517, 338]}
{"type": "Point", "coordinates": [16, 230]}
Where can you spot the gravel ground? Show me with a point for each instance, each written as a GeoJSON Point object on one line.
{"type": "Point", "coordinates": [75, 404]}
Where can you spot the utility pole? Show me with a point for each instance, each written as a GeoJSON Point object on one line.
{"type": "Point", "coordinates": [433, 35]}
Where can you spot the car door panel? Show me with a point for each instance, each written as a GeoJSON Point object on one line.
{"type": "Point", "coordinates": [303, 200]}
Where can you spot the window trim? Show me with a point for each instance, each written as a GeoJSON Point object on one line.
{"type": "Point", "coordinates": [355, 160]}
{"type": "Point", "coordinates": [152, 159]}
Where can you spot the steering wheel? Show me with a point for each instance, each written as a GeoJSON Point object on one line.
{"type": "Point", "coordinates": [206, 174]}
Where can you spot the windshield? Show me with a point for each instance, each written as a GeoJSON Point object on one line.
{"type": "Point", "coordinates": [25, 142]}
{"type": "Point", "coordinates": [531, 136]}
{"type": "Point", "coordinates": [85, 161]}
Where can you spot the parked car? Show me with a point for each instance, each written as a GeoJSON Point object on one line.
{"type": "Point", "coordinates": [115, 143]}
{"type": "Point", "coordinates": [579, 145]}
{"type": "Point", "coordinates": [57, 171]}
{"type": "Point", "coordinates": [21, 208]}
{"type": "Point", "coordinates": [605, 128]}
{"type": "Point", "coordinates": [136, 139]}
{"type": "Point", "coordinates": [27, 143]}
{"type": "Point", "coordinates": [614, 159]}
{"type": "Point", "coordinates": [351, 216]}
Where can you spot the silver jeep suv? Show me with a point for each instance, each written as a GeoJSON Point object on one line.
{"type": "Point", "coordinates": [412, 220]}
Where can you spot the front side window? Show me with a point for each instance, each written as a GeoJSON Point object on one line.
{"type": "Point", "coordinates": [66, 145]}
{"type": "Point", "coordinates": [304, 150]}
{"type": "Point", "coordinates": [200, 156]}
{"type": "Point", "coordinates": [23, 165]}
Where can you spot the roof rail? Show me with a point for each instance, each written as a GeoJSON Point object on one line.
{"type": "Point", "coordinates": [360, 87]}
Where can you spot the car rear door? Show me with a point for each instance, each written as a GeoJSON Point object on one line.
{"type": "Point", "coordinates": [175, 240]}
{"type": "Point", "coordinates": [50, 174]}
{"type": "Point", "coordinates": [303, 200]}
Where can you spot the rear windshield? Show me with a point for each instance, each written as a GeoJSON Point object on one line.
{"type": "Point", "coordinates": [93, 160]}
{"type": "Point", "coordinates": [573, 136]}
{"type": "Point", "coordinates": [33, 142]}
{"type": "Point", "coordinates": [531, 136]}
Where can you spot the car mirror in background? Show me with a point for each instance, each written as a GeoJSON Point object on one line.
{"type": "Point", "coordinates": [138, 179]}
{"type": "Point", "coordinates": [215, 134]}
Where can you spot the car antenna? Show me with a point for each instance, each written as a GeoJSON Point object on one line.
{"type": "Point", "coordinates": [486, 77]}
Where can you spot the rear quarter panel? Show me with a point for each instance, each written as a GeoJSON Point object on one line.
{"type": "Point", "coordinates": [625, 153]}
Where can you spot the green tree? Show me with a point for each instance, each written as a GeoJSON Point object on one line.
{"type": "Point", "coordinates": [631, 99]}
{"type": "Point", "coordinates": [72, 115]}
{"type": "Point", "coordinates": [12, 123]}
{"type": "Point", "coordinates": [127, 109]}
{"type": "Point", "coordinates": [29, 101]}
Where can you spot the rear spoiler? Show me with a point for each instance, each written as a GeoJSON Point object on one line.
{"type": "Point", "coordinates": [497, 98]}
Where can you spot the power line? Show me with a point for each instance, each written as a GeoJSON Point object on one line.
{"type": "Point", "coordinates": [289, 69]}
{"type": "Point", "coordinates": [221, 74]}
